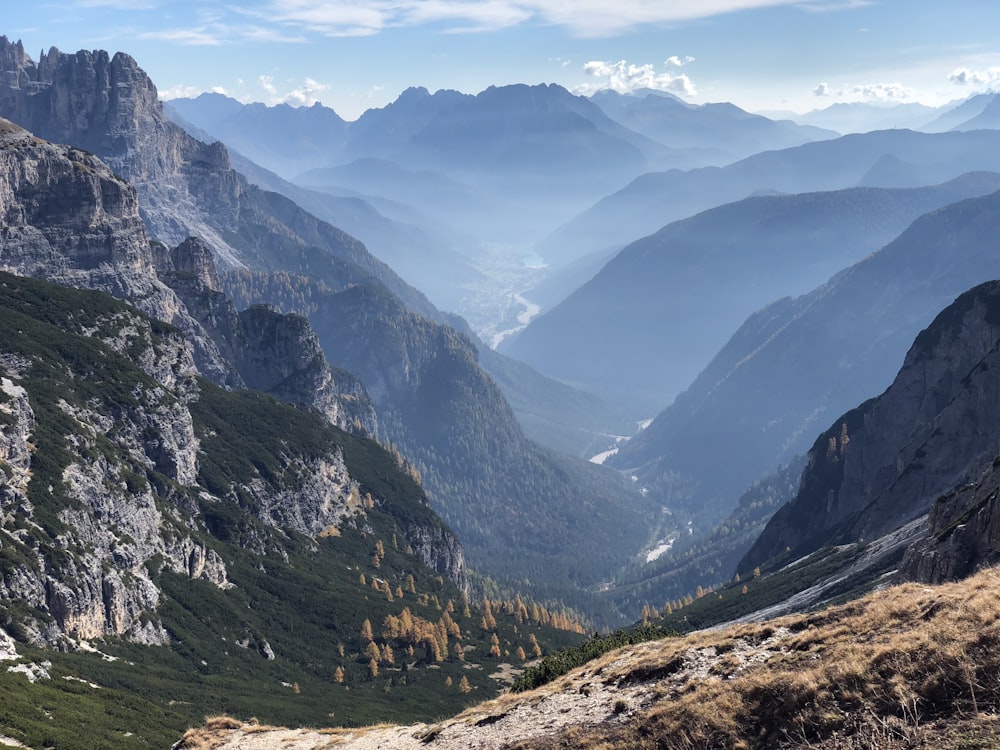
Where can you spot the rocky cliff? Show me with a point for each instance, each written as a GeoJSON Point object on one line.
{"type": "Point", "coordinates": [108, 105]}
{"type": "Point", "coordinates": [118, 465]}
{"type": "Point", "coordinates": [274, 353]}
{"type": "Point", "coordinates": [884, 463]}
{"type": "Point", "coordinates": [95, 400]}
{"type": "Point", "coordinates": [963, 533]}
{"type": "Point", "coordinates": [67, 218]}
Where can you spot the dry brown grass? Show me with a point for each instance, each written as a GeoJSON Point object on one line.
{"type": "Point", "coordinates": [892, 670]}
{"type": "Point", "coordinates": [214, 733]}
{"type": "Point", "coordinates": [909, 667]}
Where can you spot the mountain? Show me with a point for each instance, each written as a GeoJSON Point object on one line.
{"type": "Point", "coordinates": [655, 199]}
{"type": "Point", "coordinates": [720, 128]}
{"type": "Point", "coordinates": [955, 116]}
{"type": "Point", "coordinates": [115, 439]}
{"type": "Point", "coordinates": [988, 118]}
{"type": "Point", "coordinates": [68, 219]}
{"type": "Point", "coordinates": [185, 187]}
{"type": "Point", "coordinates": [862, 117]}
{"type": "Point", "coordinates": [443, 200]}
{"type": "Point", "coordinates": [420, 251]}
{"type": "Point", "coordinates": [448, 417]}
{"type": "Point", "coordinates": [668, 302]}
{"type": "Point", "coordinates": [298, 263]}
{"type": "Point", "coordinates": [222, 550]}
{"type": "Point", "coordinates": [272, 353]}
{"type": "Point", "coordinates": [881, 465]}
{"type": "Point", "coordinates": [532, 131]}
{"type": "Point", "coordinates": [909, 666]}
{"type": "Point", "coordinates": [478, 163]}
{"type": "Point", "coordinates": [795, 364]}
{"type": "Point", "coordinates": [282, 138]}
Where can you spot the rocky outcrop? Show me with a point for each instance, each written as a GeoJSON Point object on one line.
{"type": "Point", "coordinates": [440, 550]}
{"type": "Point", "coordinates": [102, 522]}
{"type": "Point", "coordinates": [963, 533]}
{"type": "Point", "coordinates": [319, 502]}
{"type": "Point", "coordinates": [281, 355]}
{"type": "Point", "coordinates": [883, 464]}
{"type": "Point", "coordinates": [270, 352]}
{"type": "Point", "coordinates": [67, 218]}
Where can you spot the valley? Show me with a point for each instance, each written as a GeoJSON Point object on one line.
{"type": "Point", "coordinates": [596, 414]}
{"type": "Point", "coordinates": [497, 307]}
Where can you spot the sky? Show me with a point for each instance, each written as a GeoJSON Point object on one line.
{"type": "Point", "coordinates": [763, 55]}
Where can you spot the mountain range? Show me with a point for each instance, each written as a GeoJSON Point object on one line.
{"type": "Point", "coordinates": [796, 363]}
{"type": "Point", "coordinates": [247, 469]}
{"type": "Point", "coordinates": [655, 199]}
{"type": "Point", "coordinates": [665, 304]}
{"type": "Point", "coordinates": [225, 549]}
{"type": "Point", "coordinates": [432, 399]}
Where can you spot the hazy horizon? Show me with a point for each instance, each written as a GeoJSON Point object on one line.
{"type": "Point", "coordinates": [763, 55]}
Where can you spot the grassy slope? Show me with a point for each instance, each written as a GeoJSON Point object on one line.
{"type": "Point", "coordinates": [912, 666]}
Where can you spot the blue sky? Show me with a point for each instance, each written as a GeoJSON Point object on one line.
{"type": "Point", "coordinates": [760, 54]}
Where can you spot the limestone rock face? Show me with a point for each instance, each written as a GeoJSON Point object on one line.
{"type": "Point", "coordinates": [963, 533]}
{"type": "Point", "coordinates": [440, 550]}
{"type": "Point", "coordinates": [102, 512]}
{"type": "Point", "coordinates": [281, 355]}
{"type": "Point", "coordinates": [883, 464]}
{"type": "Point", "coordinates": [270, 352]}
{"type": "Point", "coordinates": [65, 217]}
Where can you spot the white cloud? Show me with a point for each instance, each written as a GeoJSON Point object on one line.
{"type": "Point", "coordinates": [625, 77]}
{"type": "Point", "coordinates": [867, 92]}
{"type": "Point", "coordinates": [217, 33]}
{"type": "Point", "coordinates": [678, 62]}
{"type": "Point", "coordinates": [267, 83]}
{"type": "Point", "coordinates": [826, 6]}
{"type": "Point", "coordinates": [977, 79]}
{"type": "Point", "coordinates": [587, 18]}
{"type": "Point", "coordinates": [196, 37]}
{"type": "Point", "coordinates": [302, 95]}
{"type": "Point", "coordinates": [181, 91]}
{"type": "Point", "coordinates": [116, 4]}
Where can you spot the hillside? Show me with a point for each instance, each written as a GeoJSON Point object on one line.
{"type": "Point", "coordinates": [667, 303]}
{"type": "Point", "coordinates": [478, 465]}
{"type": "Point", "coordinates": [798, 364]}
{"type": "Point", "coordinates": [653, 200]}
{"type": "Point", "coordinates": [881, 465]}
{"type": "Point", "coordinates": [910, 666]}
{"type": "Point", "coordinates": [569, 522]}
{"type": "Point", "coordinates": [221, 549]}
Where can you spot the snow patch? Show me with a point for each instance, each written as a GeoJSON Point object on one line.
{"type": "Point", "coordinates": [600, 458]}
{"type": "Point", "coordinates": [661, 548]}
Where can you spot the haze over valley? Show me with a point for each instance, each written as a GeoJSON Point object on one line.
{"type": "Point", "coordinates": [352, 377]}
